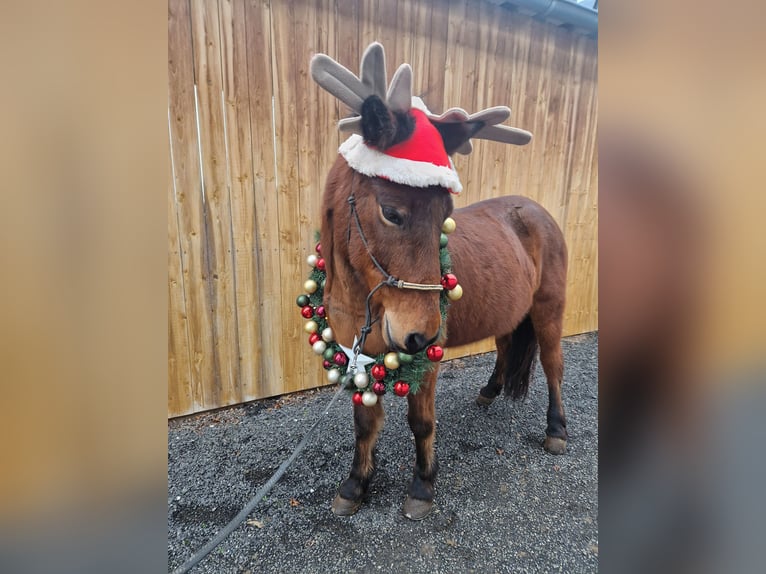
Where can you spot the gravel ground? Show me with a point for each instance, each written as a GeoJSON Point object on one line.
{"type": "Point", "coordinates": [502, 503]}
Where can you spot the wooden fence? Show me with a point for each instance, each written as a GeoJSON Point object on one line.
{"type": "Point", "coordinates": [252, 137]}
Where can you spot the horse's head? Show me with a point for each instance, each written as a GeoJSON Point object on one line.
{"type": "Point", "coordinates": [401, 226]}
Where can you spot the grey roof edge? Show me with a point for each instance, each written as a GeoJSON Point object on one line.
{"type": "Point", "coordinates": [558, 12]}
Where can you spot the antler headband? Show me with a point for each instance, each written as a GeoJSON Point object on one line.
{"type": "Point", "coordinates": [391, 122]}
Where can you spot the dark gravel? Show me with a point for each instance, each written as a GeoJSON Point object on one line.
{"type": "Point", "coordinates": [502, 503]}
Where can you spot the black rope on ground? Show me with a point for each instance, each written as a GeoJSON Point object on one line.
{"type": "Point", "coordinates": [198, 556]}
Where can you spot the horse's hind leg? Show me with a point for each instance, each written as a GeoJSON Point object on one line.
{"type": "Point", "coordinates": [491, 390]}
{"type": "Point", "coordinates": [367, 423]}
{"type": "Point", "coordinates": [547, 319]}
{"type": "Point", "coordinates": [421, 414]}
{"type": "Point", "coordinates": [516, 354]}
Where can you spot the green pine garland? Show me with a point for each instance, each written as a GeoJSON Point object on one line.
{"type": "Point", "coordinates": [412, 368]}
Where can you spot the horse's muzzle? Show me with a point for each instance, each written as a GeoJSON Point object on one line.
{"type": "Point", "coordinates": [412, 343]}
{"type": "Point", "coordinates": [416, 342]}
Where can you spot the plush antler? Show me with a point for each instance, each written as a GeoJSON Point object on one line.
{"type": "Point", "coordinates": [382, 118]}
{"type": "Point", "coordinates": [485, 123]}
{"type": "Point", "coordinates": [353, 91]}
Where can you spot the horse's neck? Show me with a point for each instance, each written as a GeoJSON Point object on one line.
{"type": "Point", "coordinates": [345, 304]}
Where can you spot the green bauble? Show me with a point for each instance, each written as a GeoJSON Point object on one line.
{"type": "Point", "coordinates": [443, 240]}
{"type": "Point", "coordinates": [329, 353]}
{"type": "Point", "coordinates": [302, 300]}
{"type": "Point", "coordinates": [405, 359]}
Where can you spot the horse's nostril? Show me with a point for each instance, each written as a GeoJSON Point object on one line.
{"type": "Point", "coordinates": [415, 342]}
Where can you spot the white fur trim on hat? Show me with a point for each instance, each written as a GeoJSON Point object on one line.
{"type": "Point", "coordinates": [372, 163]}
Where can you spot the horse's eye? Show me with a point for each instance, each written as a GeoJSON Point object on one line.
{"type": "Point", "coordinates": [391, 215]}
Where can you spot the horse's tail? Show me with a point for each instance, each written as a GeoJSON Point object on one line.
{"type": "Point", "coordinates": [520, 360]}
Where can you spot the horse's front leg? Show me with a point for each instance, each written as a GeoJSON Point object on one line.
{"type": "Point", "coordinates": [422, 418]}
{"type": "Point", "coordinates": [367, 423]}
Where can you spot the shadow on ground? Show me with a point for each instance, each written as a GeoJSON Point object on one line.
{"type": "Point", "coordinates": [502, 503]}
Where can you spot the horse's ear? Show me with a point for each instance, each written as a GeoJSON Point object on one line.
{"type": "Point", "coordinates": [382, 127]}
{"type": "Point", "coordinates": [457, 135]}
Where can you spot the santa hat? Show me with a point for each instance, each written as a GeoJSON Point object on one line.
{"type": "Point", "coordinates": [419, 161]}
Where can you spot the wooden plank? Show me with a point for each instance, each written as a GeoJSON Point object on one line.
{"type": "Point", "coordinates": [529, 116]}
{"type": "Point", "coordinates": [240, 182]}
{"type": "Point", "coordinates": [305, 96]}
{"type": "Point", "coordinates": [362, 16]}
{"type": "Point", "coordinates": [188, 198]}
{"type": "Point", "coordinates": [487, 166]}
{"type": "Point", "coordinates": [514, 82]}
{"type": "Point", "coordinates": [207, 67]}
{"type": "Point", "coordinates": [546, 163]}
{"type": "Point", "coordinates": [402, 52]}
{"type": "Point", "coordinates": [352, 38]}
{"type": "Point", "coordinates": [267, 238]}
{"type": "Point", "coordinates": [293, 269]}
{"type": "Point", "coordinates": [505, 91]}
{"type": "Point", "coordinates": [470, 48]}
{"type": "Point", "coordinates": [420, 46]}
{"type": "Point", "coordinates": [179, 360]}
{"type": "Point", "coordinates": [326, 134]}
{"type": "Point", "coordinates": [386, 30]}
{"type": "Point", "coordinates": [433, 90]}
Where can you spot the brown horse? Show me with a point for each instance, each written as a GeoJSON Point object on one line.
{"type": "Point", "coordinates": [508, 253]}
{"type": "Point", "coordinates": [510, 257]}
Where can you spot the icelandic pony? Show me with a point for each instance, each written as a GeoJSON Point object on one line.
{"type": "Point", "coordinates": [508, 254]}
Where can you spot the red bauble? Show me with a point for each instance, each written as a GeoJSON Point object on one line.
{"type": "Point", "coordinates": [401, 388]}
{"type": "Point", "coordinates": [319, 248]}
{"type": "Point", "coordinates": [434, 353]}
{"type": "Point", "coordinates": [326, 364]}
{"type": "Point", "coordinates": [307, 312]}
{"type": "Point", "coordinates": [357, 398]}
{"type": "Point", "coordinates": [313, 338]}
{"type": "Point", "coordinates": [378, 388]}
{"type": "Point", "coordinates": [449, 281]}
{"type": "Point", "coordinates": [340, 358]}
{"type": "Point", "coordinates": [321, 264]}
{"type": "Point", "coordinates": [378, 372]}
{"type": "Point", "coordinates": [320, 311]}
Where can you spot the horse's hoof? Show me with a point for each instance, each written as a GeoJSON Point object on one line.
{"type": "Point", "coordinates": [416, 509]}
{"type": "Point", "coordinates": [344, 507]}
{"type": "Point", "coordinates": [555, 445]}
{"type": "Point", "coordinates": [483, 401]}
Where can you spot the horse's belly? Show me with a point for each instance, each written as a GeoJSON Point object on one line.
{"type": "Point", "coordinates": [483, 318]}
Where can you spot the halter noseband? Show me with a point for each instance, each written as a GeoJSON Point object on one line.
{"type": "Point", "coordinates": [388, 280]}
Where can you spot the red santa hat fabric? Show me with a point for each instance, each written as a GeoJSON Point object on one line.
{"type": "Point", "coordinates": [419, 161]}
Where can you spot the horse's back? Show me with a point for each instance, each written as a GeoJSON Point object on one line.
{"type": "Point", "coordinates": [506, 252]}
{"type": "Point", "coordinates": [535, 227]}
